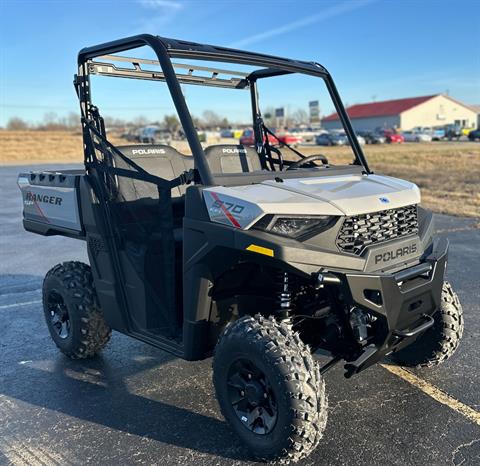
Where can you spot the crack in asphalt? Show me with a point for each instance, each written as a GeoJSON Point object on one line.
{"type": "Point", "coordinates": [458, 451]}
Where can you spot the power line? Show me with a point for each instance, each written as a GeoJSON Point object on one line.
{"type": "Point", "coordinates": [49, 107]}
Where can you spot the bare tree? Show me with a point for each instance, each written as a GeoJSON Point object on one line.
{"type": "Point", "coordinates": [171, 123]}
{"type": "Point", "coordinates": [17, 124]}
{"type": "Point", "coordinates": [269, 116]}
{"type": "Point", "coordinates": [73, 121]}
{"type": "Point", "coordinates": [197, 122]}
{"type": "Point", "coordinates": [211, 119]}
{"type": "Point", "coordinates": [140, 121]}
{"type": "Point", "coordinates": [300, 117]}
{"type": "Point", "coordinates": [50, 118]}
{"type": "Point", "coordinates": [112, 122]}
{"type": "Point", "coordinates": [51, 122]}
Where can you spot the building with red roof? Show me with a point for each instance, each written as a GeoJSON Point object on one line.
{"type": "Point", "coordinates": [406, 114]}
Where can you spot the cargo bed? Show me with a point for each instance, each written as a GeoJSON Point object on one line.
{"type": "Point", "coordinates": [51, 202]}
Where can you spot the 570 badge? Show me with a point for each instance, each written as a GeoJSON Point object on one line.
{"type": "Point", "coordinates": [229, 210]}
{"type": "Point", "coordinates": [230, 206]}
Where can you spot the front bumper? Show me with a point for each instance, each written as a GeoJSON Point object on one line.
{"type": "Point", "coordinates": [403, 303]}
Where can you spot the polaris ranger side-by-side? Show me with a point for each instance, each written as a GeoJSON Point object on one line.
{"type": "Point", "coordinates": [240, 252]}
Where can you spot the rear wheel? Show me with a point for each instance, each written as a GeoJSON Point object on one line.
{"type": "Point", "coordinates": [269, 389]}
{"type": "Point", "coordinates": [72, 313]}
{"type": "Point", "coordinates": [439, 342]}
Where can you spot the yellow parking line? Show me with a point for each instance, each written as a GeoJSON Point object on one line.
{"type": "Point", "coordinates": [435, 393]}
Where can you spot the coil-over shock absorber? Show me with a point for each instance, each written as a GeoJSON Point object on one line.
{"type": "Point", "coordinates": [284, 297]}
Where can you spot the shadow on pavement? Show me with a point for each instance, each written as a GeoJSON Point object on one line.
{"type": "Point", "coordinates": [96, 391]}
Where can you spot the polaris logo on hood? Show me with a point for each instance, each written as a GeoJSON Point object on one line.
{"type": "Point", "coordinates": [397, 253]}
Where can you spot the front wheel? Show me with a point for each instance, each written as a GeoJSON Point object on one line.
{"type": "Point", "coordinates": [269, 388]}
{"type": "Point", "coordinates": [441, 340]}
{"type": "Point", "coordinates": [72, 313]}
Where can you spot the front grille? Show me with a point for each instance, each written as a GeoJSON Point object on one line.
{"type": "Point", "coordinates": [359, 231]}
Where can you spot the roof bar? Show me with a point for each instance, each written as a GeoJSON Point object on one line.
{"type": "Point", "coordinates": [176, 65]}
{"type": "Point", "coordinates": [109, 69]}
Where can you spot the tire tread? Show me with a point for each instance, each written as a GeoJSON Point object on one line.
{"type": "Point", "coordinates": [440, 342]}
{"type": "Point", "coordinates": [77, 280]}
{"type": "Point", "coordinates": [306, 388]}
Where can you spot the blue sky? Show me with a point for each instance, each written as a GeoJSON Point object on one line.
{"type": "Point", "coordinates": [375, 49]}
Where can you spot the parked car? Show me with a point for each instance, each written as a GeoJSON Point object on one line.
{"type": "Point", "coordinates": [371, 137]}
{"type": "Point", "coordinates": [289, 138]}
{"type": "Point", "coordinates": [391, 136]}
{"type": "Point", "coordinates": [436, 132]}
{"type": "Point", "coordinates": [413, 136]}
{"type": "Point", "coordinates": [307, 134]}
{"type": "Point", "coordinates": [132, 135]}
{"type": "Point", "coordinates": [226, 133]}
{"type": "Point", "coordinates": [248, 138]}
{"type": "Point", "coordinates": [361, 140]}
{"type": "Point", "coordinates": [331, 139]}
{"type": "Point", "coordinates": [474, 134]}
{"type": "Point", "coordinates": [453, 132]}
{"type": "Point", "coordinates": [155, 135]}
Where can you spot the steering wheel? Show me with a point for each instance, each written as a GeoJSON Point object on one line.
{"type": "Point", "coordinates": [307, 160]}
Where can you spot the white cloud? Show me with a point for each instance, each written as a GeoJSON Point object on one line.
{"type": "Point", "coordinates": [161, 4]}
{"type": "Point", "coordinates": [335, 10]}
{"type": "Point", "coordinates": [162, 13]}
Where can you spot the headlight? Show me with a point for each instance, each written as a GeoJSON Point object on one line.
{"type": "Point", "coordinates": [295, 226]}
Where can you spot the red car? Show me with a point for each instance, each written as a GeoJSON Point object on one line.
{"type": "Point", "coordinates": [248, 138]}
{"type": "Point", "coordinates": [392, 137]}
{"type": "Point", "coordinates": [290, 139]}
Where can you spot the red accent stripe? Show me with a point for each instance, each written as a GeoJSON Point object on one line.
{"type": "Point", "coordinates": [230, 217]}
{"type": "Point", "coordinates": [40, 211]}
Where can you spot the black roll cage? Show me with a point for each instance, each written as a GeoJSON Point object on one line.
{"type": "Point", "coordinates": [165, 49]}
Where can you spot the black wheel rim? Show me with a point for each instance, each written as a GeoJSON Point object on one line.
{"type": "Point", "coordinates": [58, 312]}
{"type": "Point", "coordinates": [252, 397]}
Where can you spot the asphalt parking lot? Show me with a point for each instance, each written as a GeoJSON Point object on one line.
{"type": "Point", "coordinates": [138, 405]}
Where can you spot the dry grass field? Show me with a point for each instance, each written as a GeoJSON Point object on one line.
{"type": "Point", "coordinates": [448, 173]}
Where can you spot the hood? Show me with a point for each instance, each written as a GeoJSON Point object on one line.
{"type": "Point", "coordinates": [354, 194]}
{"type": "Point", "coordinates": [241, 206]}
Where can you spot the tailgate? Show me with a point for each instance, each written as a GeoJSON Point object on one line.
{"type": "Point", "coordinates": [51, 202]}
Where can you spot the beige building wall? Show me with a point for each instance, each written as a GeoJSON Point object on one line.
{"type": "Point", "coordinates": [366, 124]}
{"type": "Point", "coordinates": [438, 111]}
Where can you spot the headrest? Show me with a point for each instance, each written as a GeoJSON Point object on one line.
{"type": "Point", "coordinates": [231, 158]}
{"type": "Point", "coordinates": [225, 150]}
{"type": "Point", "coordinates": [149, 151]}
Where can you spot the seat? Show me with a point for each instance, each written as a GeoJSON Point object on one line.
{"type": "Point", "coordinates": [152, 239]}
{"type": "Point", "coordinates": [159, 160]}
{"type": "Point", "coordinates": [231, 158]}
{"type": "Point", "coordinates": [137, 200]}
